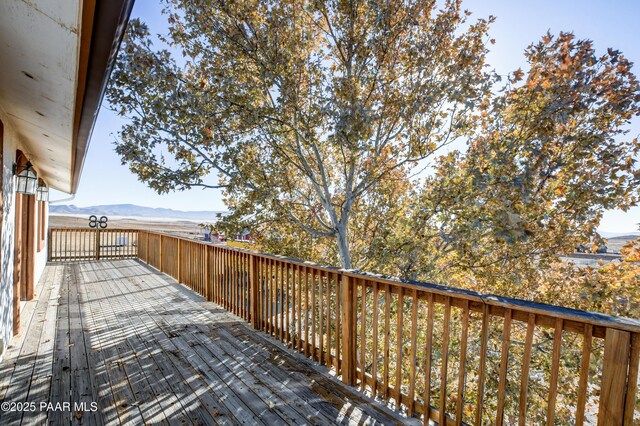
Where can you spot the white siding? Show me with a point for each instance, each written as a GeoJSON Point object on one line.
{"type": "Point", "coordinates": [6, 243]}
{"type": "Point", "coordinates": [10, 144]}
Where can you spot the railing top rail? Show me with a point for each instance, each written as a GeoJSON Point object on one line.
{"type": "Point", "coordinates": [586, 317]}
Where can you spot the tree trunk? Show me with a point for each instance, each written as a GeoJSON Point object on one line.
{"type": "Point", "coordinates": [343, 246]}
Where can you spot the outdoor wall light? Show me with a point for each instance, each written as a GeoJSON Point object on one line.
{"type": "Point", "coordinates": [42, 193]}
{"type": "Point", "coordinates": [26, 179]}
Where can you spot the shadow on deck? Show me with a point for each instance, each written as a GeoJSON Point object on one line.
{"type": "Point", "coordinates": [109, 342]}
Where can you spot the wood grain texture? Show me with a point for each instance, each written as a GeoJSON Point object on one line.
{"type": "Point", "coordinates": [614, 377]}
{"type": "Point", "coordinates": [149, 350]}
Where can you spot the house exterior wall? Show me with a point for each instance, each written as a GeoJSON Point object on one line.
{"type": "Point", "coordinates": [7, 235]}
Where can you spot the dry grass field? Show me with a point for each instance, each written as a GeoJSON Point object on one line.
{"type": "Point", "coordinates": [183, 228]}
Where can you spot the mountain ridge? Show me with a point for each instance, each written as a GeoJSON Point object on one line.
{"type": "Point", "coordinates": [134, 210]}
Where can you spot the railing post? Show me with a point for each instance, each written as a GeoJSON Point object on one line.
{"type": "Point", "coordinates": [178, 259]}
{"type": "Point", "coordinates": [207, 289]}
{"type": "Point", "coordinates": [613, 385]}
{"type": "Point", "coordinates": [348, 310]}
{"type": "Point", "coordinates": [255, 291]}
{"type": "Point", "coordinates": [97, 248]}
{"type": "Point", "coordinates": [49, 245]}
{"type": "Point", "coordinates": [160, 250]}
{"type": "Point", "coordinates": [146, 249]}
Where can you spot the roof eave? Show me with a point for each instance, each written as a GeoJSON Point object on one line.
{"type": "Point", "coordinates": [98, 51]}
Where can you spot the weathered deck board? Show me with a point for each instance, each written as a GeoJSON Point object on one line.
{"type": "Point", "coordinates": [148, 350]}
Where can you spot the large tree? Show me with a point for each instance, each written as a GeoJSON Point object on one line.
{"type": "Point", "coordinates": [303, 110]}
{"type": "Point", "coordinates": [553, 153]}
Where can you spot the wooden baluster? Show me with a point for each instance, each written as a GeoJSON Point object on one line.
{"type": "Point", "coordinates": [287, 304]}
{"type": "Point", "coordinates": [97, 244]}
{"type": "Point", "coordinates": [328, 323]}
{"type": "Point", "coordinates": [306, 310]}
{"type": "Point", "coordinates": [179, 262]}
{"type": "Point", "coordinates": [242, 293]}
{"type": "Point", "coordinates": [321, 316]}
{"type": "Point", "coordinates": [160, 255]}
{"type": "Point", "coordinates": [555, 370]}
{"type": "Point", "coordinates": [219, 275]}
{"type": "Point", "coordinates": [387, 336]}
{"type": "Point", "coordinates": [281, 301]}
{"type": "Point", "coordinates": [463, 361]}
{"type": "Point", "coordinates": [293, 333]}
{"type": "Point", "coordinates": [224, 285]}
{"type": "Point", "coordinates": [239, 285]}
{"type": "Point", "coordinates": [504, 360]}
{"type": "Point", "coordinates": [412, 355]}
{"type": "Point", "coordinates": [313, 313]}
{"type": "Point", "coordinates": [234, 282]}
{"type": "Point", "coordinates": [275, 298]}
{"type": "Point", "coordinates": [348, 330]}
{"type": "Point", "coordinates": [484, 335]}
{"type": "Point", "coordinates": [299, 309]}
{"type": "Point", "coordinates": [363, 337]}
{"type": "Point", "coordinates": [255, 291]}
{"type": "Point", "coordinates": [583, 382]}
{"type": "Point", "coordinates": [399, 333]}
{"type": "Point", "coordinates": [208, 281]}
{"type": "Point", "coordinates": [223, 277]}
{"type": "Point", "coordinates": [272, 307]}
{"type": "Point", "coordinates": [215, 252]}
{"type": "Point", "coordinates": [526, 362]}
{"type": "Point", "coordinates": [228, 271]}
{"type": "Point", "coordinates": [445, 360]}
{"type": "Point", "coordinates": [374, 365]}
{"type": "Point", "coordinates": [428, 360]}
{"type": "Point", "coordinates": [49, 245]}
{"type": "Point", "coordinates": [337, 362]}
{"type": "Point", "coordinates": [261, 290]}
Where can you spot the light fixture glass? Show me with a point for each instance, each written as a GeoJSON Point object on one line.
{"type": "Point", "coordinates": [27, 180]}
{"type": "Point", "coordinates": [42, 193]}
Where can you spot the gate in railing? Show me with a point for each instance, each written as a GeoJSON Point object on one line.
{"type": "Point", "coordinates": [67, 245]}
{"type": "Point", "coordinates": [447, 355]}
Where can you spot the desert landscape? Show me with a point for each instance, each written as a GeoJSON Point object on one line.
{"type": "Point", "coordinates": [184, 228]}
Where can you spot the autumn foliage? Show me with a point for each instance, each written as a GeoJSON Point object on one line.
{"type": "Point", "coordinates": [373, 135]}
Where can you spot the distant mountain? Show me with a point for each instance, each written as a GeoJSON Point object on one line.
{"type": "Point", "coordinates": [626, 235]}
{"type": "Point", "coordinates": [132, 210]}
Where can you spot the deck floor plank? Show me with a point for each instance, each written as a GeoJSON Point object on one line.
{"type": "Point", "coordinates": [43, 370]}
{"type": "Point", "coordinates": [135, 367]}
{"type": "Point", "coordinates": [125, 404]}
{"type": "Point", "coordinates": [21, 379]}
{"type": "Point", "coordinates": [148, 350]}
{"type": "Point", "coordinates": [174, 404]}
{"type": "Point", "coordinates": [81, 392]}
{"type": "Point", "coordinates": [102, 393]}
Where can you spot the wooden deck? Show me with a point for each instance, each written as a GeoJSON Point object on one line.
{"type": "Point", "coordinates": [130, 345]}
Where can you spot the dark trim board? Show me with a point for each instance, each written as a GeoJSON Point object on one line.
{"type": "Point", "coordinates": [110, 18]}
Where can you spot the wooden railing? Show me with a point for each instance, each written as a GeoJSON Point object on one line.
{"type": "Point", "coordinates": [442, 354]}
{"type": "Point", "coordinates": [83, 244]}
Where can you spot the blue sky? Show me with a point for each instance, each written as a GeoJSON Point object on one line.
{"type": "Point", "coordinates": [519, 23]}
